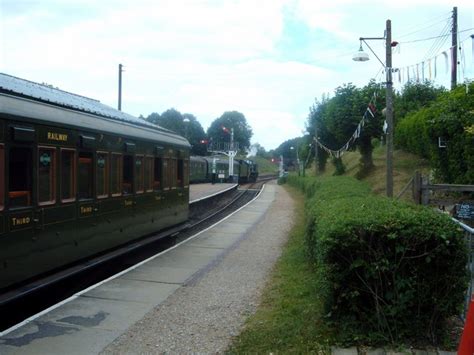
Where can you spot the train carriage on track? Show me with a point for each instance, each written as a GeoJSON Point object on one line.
{"type": "Point", "coordinates": [79, 178]}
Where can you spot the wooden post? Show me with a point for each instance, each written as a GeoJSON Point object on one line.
{"type": "Point", "coordinates": [425, 193]}
{"type": "Point", "coordinates": [416, 192]}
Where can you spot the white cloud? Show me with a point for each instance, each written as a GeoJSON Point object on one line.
{"type": "Point", "coordinates": [208, 56]}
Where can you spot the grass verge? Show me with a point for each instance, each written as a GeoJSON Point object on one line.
{"type": "Point", "coordinates": [287, 320]}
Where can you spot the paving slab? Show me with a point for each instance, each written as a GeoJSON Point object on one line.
{"type": "Point", "coordinates": [164, 274]}
{"type": "Point", "coordinates": [88, 323]}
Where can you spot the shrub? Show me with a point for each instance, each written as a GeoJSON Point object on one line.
{"type": "Point", "coordinates": [392, 272]}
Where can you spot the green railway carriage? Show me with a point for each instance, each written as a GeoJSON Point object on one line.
{"type": "Point", "coordinates": [78, 178]}
{"type": "Point", "coordinates": [199, 170]}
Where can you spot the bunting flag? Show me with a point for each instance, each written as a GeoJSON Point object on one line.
{"type": "Point", "coordinates": [423, 71]}
{"type": "Point", "coordinates": [445, 62]}
{"type": "Point", "coordinates": [417, 73]}
{"type": "Point", "coordinates": [371, 110]}
{"type": "Point", "coordinates": [429, 69]}
{"type": "Point", "coordinates": [435, 66]}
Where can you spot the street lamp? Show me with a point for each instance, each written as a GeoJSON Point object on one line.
{"type": "Point", "coordinates": [186, 122]}
{"type": "Point", "coordinates": [361, 56]}
{"type": "Point", "coordinates": [297, 158]}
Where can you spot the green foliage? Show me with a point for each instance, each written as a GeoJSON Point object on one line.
{"type": "Point", "coordinates": [186, 125]}
{"type": "Point", "coordinates": [450, 118]}
{"type": "Point", "coordinates": [237, 121]}
{"type": "Point", "coordinates": [336, 119]}
{"type": "Point", "coordinates": [393, 273]}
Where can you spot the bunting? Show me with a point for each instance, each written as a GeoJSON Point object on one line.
{"type": "Point", "coordinates": [428, 68]}
{"type": "Point", "coordinates": [369, 112]}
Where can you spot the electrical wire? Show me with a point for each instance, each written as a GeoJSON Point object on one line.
{"type": "Point", "coordinates": [439, 41]}
{"type": "Point", "coordinates": [438, 21]}
{"type": "Point", "coordinates": [427, 39]}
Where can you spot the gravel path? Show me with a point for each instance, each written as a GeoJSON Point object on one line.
{"type": "Point", "coordinates": [204, 315]}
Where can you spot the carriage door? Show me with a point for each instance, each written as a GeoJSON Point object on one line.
{"type": "Point", "coordinates": [19, 198]}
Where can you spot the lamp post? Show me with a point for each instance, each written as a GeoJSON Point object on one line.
{"type": "Point", "coordinates": [186, 123]}
{"type": "Point", "coordinates": [361, 56]}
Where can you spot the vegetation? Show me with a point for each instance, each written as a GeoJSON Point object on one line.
{"type": "Point", "coordinates": [359, 270]}
{"type": "Point", "coordinates": [220, 129]}
{"type": "Point", "coordinates": [186, 125]}
{"type": "Point", "coordinates": [392, 273]}
{"type": "Point", "coordinates": [442, 133]}
{"type": "Point", "coordinates": [288, 318]}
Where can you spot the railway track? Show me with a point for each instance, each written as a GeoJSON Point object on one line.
{"type": "Point", "coordinates": [25, 301]}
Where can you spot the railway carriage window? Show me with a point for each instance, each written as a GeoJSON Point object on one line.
{"type": "Point", "coordinates": [180, 175]}
{"type": "Point", "coordinates": [85, 176]}
{"type": "Point", "coordinates": [157, 173]}
{"type": "Point", "coordinates": [102, 175]}
{"type": "Point", "coordinates": [68, 173]}
{"type": "Point", "coordinates": [171, 174]}
{"type": "Point", "coordinates": [20, 174]}
{"type": "Point", "coordinates": [186, 172]}
{"type": "Point", "coordinates": [139, 178]}
{"type": "Point", "coordinates": [2, 177]}
{"type": "Point", "coordinates": [116, 174]}
{"type": "Point", "coordinates": [127, 185]}
{"type": "Point", "coordinates": [46, 176]}
{"type": "Point", "coordinates": [166, 173]}
{"type": "Point", "coordinates": [149, 173]}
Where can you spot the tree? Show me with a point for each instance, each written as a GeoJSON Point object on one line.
{"type": "Point", "coordinates": [186, 125]}
{"type": "Point", "coordinates": [220, 128]}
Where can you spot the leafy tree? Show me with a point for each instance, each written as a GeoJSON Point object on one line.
{"type": "Point", "coordinates": [415, 96]}
{"type": "Point", "coordinates": [220, 129]}
{"type": "Point", "coordinates": [338, 117]}
{"type": "Point", "coordinates": [186, 125]}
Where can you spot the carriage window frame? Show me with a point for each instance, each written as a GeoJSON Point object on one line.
{"type": "Point", "coordinates": [29, 178]}
{"type": "Point", "coordinates": [173, 173]}
{"type": "Point", "coordinates": [106, 169]}
{"type": "Point", "coordinates": [180, 173]}
{"type": "Point", "coordinates": [2, 177]}
{"type": "Point", "coordinates": [139, 174]}
{"type": "Point", "coordinates": [52, 176]}
{"type": "Point", "coordinates": [73, 175]}
{"type": "Point", "coordinates": [128, 168]}
{"type": "Point", "coordinates": [90, 178]}
{"type": "Point", "coordinates": [158, 173]}
{"type": "Point", "coordinates": [118, 172]}
{"type": "Point", "coordinates": [186, 169]}
{"type": "Point", "coordinates": [149, 177]}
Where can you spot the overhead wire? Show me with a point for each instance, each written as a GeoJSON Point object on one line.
{"type": "Point", "coordinates": [439, 40]}
{"type": "Point", "coordinates": [436, 21]}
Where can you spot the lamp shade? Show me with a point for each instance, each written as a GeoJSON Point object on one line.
{"type": "Point", "coordinates": [360, 56]}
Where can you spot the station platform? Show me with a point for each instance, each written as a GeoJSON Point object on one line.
{"type": "Point", "coordinates": [198, 192]}
{"type": "Point", "coordinates": [92, 319]}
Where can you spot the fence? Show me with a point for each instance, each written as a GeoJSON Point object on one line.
{"type": "Point", "coordinates": [425, 193]}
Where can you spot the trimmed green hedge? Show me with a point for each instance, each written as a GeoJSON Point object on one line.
{"type": "Point", "coordinates": [390, 272]}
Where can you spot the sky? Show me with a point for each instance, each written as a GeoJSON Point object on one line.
{"type": "Point", "coordinates": [268, 59]}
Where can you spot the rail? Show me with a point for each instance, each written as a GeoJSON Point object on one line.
{"type": "Point", "coordinates": [469, 234]}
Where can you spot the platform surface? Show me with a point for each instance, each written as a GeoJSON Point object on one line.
{"type": "Point", "coordinates": [201, 191]}
{"type": "Point", "coordinates": [89, 321]}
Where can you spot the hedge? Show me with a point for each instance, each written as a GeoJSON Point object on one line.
{"type": "Point", "coordinates": [391, 272]}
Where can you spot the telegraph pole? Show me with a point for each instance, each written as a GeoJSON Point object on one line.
{"type": "Point", "coordinates": [389, 110]}
{"type": "Point", "coordinates": [120, 87]}
{"type": "Point", "coordinates": [454, 46]}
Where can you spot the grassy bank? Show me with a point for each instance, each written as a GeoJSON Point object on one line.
{"type": "Point", "coordinates": [285, 321]}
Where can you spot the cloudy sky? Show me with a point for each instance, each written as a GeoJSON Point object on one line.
{"type": "Point", "coordinates": [269, 59]}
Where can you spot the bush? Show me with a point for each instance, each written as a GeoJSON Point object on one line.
{"type": "Point", "coordinates": [391, 272]}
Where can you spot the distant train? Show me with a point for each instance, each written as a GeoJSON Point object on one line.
{"type": "Point", "coordinates": [208, 169]}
